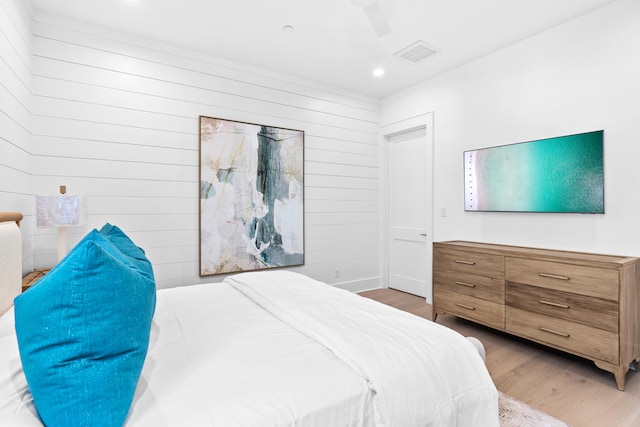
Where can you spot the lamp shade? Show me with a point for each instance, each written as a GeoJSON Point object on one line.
{"type": "Point", "coordinates": [60, 211]}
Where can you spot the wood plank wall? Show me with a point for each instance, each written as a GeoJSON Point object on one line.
{"type": "Point", "coordinates": [116, 118]}
{"type": "Point", "coordinates": [15, 118]}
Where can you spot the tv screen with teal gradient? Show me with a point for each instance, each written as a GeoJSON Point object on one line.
{"type": "Point", "coordinates": [561, 174]}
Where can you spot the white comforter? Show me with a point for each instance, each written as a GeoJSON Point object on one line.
{"type": "Point", "coordinates": [280, 349]}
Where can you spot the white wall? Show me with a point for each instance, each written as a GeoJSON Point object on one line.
{"type": "Point", "coordinates": [580, 76]}
{"type": "Point", "coordinates": [116, 118]}
{"type": "Point", "coordinates": [15, 118]}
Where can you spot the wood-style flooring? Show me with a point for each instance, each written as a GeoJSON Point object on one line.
{"type": "Point", "coordinates": [569, 388]}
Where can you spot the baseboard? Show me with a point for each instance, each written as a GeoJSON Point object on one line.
{"type": "Point", "coordinates": [360, 285]}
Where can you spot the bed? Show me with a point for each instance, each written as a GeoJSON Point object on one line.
{"type": "Point", "coordinates": [272, 348]}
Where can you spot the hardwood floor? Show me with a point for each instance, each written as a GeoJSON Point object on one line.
{"type": "Point", "coordinates": [569, 388]}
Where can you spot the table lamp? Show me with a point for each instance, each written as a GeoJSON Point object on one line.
{"type": "Point", "coordinates": [61, 211]}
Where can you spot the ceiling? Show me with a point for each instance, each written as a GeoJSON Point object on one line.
{"type": "Point", "coordinates": [332, 41]}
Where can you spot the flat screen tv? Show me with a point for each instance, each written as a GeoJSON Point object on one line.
{"type": "Point", "coordinates": [561, 174]}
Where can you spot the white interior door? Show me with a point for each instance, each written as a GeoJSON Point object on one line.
{"type": "Point", "coordinates": [410, 211]}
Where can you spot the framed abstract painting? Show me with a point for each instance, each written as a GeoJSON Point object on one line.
{"type": "Point", "coordinates": [251, 196]}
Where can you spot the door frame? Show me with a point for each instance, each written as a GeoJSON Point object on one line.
{"type": "Point", "coordinates": [386, 131]}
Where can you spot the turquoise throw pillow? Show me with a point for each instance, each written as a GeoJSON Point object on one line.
{"type": "Point", "coordinates": [83, 334]}
{"type": "Point", "coordinates": [116, 236]}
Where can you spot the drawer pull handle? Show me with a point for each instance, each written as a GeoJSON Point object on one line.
{"type": "Point", "coordinates": [553, 276]}
{"type": "Point", "coordinates": [460, 261]}
{"type": "Point", "coordinates": [553, 304]}
{"type": "Point", "coordinates": [468, 285]}
{"type": "Point", "coordinates": [468, 307]}
{"type": "Point", "coordinates": [562, 334]}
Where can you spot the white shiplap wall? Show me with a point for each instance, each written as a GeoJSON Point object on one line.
{"type": "Point", "coordinates": [116, 118]}
{"type": "Point", "coordinates": [15, 118]}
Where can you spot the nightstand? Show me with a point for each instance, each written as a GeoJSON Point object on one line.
{"type": "Point", "coordinates": [31, 278]}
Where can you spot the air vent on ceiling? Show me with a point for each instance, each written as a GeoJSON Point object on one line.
{"type": "Point", "coordinates": [416, 52]}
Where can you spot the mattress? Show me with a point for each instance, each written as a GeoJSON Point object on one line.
{"type": "Point", "coordinates": [277, 348]}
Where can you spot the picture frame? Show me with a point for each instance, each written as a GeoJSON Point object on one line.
{"type": "Point", "coordinates": [251, 200]}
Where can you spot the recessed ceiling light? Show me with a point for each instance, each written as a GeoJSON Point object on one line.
{"type": "Point", "coordinates": [378, 72]}
{"type": "Point", "coordinates": [287, 28]}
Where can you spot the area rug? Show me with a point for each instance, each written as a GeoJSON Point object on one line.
{"type": "Point", "coordinates": [514, 413]}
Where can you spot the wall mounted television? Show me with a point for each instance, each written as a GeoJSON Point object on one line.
{"type": "Point", "coordinates": [564, 174]}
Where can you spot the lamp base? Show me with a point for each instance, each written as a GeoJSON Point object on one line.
{"type": "Point", "coordinates": [62, 242]}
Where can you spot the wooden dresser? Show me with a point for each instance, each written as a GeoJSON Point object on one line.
{"type": "Point", "coordinates": [581, 303]}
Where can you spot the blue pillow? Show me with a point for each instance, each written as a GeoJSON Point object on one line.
{"type": "Point", "coordinates": [116, 236]}
{"type": "Point", "coordinates": [83, 334]}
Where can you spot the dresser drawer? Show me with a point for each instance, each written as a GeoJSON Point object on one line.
{"type": "Point", "coordinates": [469, 262]}
{"type": "Point", "coordinates": [591, 281]}
{"type": "Point", "coordinates": [590, 311]}
{"type": "Point", "coordinates": [565, 335]}
{"type": "Point", "coordinates": [488, 288]}
{"type": "Point", "coordinates": [465, 306]}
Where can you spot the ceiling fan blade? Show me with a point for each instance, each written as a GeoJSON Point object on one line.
{"type": "Point", "coordinates": [375, 14]}
{"type": "Point", "coordinates": [377, 19]}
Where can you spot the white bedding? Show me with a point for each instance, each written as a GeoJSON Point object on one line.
{"type": "Point", "coordinates": [279, 349]}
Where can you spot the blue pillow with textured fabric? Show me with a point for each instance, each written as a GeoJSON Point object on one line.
{"type": "Point", "coordinates": [116, 236]}
{"type": "Point", "coordinates": [83, 334]}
